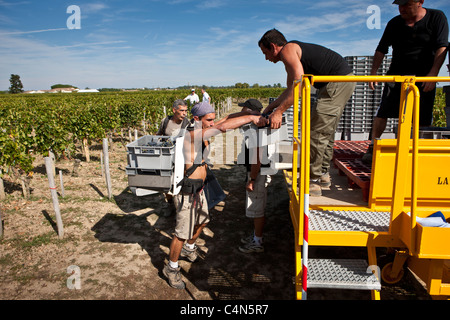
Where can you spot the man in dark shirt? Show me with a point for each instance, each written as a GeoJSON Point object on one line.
{"type": "Point", "coordinates": [305, 58]}
{"type": "Point", "coordinates": [419, 40]}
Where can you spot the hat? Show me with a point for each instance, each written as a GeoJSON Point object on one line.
{"type": "Point", "coordinates": [400, 2]}
{"type": "Point", "coordinates": [202, 108]}
{"type": "Point", "coordinates": [252, 104]}
{"type": "Point", "coordinates": [192, 90]}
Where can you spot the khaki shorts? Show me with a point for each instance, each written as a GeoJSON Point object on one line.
{"type": "Point", "coordinates": [192, 210]}
{"type": "Point", "coordinates": [255, 204]}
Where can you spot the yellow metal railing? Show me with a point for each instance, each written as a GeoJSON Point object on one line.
{"type": "Point", "coordinates": [409, 105]}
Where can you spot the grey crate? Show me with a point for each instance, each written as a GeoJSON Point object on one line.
{"type": "Point", "coordinates": [148, 179]}
{"type": "Point", "coordinates": [149, 152]}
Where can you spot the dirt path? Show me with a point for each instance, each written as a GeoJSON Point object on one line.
{"type": "Point", "coordinates": [118, 247]}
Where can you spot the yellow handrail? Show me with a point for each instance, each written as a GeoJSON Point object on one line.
{"type": "Point", "coordinates": [415, 165]}
{"type": "Point", "coordinates": [315, 79]}
{"type": "Point", "coordinates": [304, 84]}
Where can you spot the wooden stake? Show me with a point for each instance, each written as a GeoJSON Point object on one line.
{"type": "Point", "coordinates": [106, 161]}
{"type": "Point", "coordinates": [51, 182]}
{"type": "Point", "coordinates": [25, 187]}
{"type": "Point", "coordinates": [86, 150]}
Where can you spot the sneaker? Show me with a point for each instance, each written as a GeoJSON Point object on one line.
{"type": "Point", "coordinates": [367, 157]}
{"type": "Point", "coordinates": [325, 180]}
{"type": "Point", "coordinates": [249, 239]}
{"type": "Point", "coordinates": [251, 247]}
{"type": "Point", "coordinates": [189, 254]}
{"type": "Point", "coordinates": [174, 277]}
{"type": "Point", "coordinates": [314, 189]}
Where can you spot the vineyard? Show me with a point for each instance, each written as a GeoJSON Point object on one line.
{"type": "Point", "coordinates": [66, 123]}
{"type": "Point", "coordinates": [120, 245]}
{"type": "Point", "coordinates": [63, 123]}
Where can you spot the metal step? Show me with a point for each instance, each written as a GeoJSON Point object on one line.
{"type": "Point", "coordinates": [340, 220]}
{"type": "Point", "coordinates": [341, 274]}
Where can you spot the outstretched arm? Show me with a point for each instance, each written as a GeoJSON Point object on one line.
{"type": "Point", "coordinates": [290, 56]}
{"type": "Point", "coordinates": [229, 124]}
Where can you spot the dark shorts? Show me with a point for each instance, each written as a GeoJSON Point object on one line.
{"type": "Point", "coordinates": [390, 103]}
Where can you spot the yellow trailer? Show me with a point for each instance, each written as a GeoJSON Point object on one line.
{"type": "Point", "coordinates": [410, 181]}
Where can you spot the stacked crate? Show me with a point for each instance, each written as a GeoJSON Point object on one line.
{"type": "Point", "coordinates": [357, 118]}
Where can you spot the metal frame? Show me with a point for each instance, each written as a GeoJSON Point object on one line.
{"type": "Point", "coordinates": [401, 231]}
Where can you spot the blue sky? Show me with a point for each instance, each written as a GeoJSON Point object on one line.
{"type": "Point", "coordinates": [159, 43]}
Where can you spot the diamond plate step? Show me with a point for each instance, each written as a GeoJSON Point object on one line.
{"type": "Point", "coordinates": [344, 220]}
{"type": "Point", "coordinates": [341, 274]}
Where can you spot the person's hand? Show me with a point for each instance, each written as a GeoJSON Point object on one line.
{"type": "Point", "coordinates": [250, 186]}
{"type": "Point", "coordinates": [372, 85]}
{"type": "Point", "coordinates": [429, 86]}
{"type": "Point", "coordinates": [261, 121]}
{"type": "Point", "coordinates": [275, 120]}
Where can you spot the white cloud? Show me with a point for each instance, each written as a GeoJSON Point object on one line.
{"type": "Point", "coordinates": [93, 7]}
{"type": "Point", "coordinates": [31, 31]}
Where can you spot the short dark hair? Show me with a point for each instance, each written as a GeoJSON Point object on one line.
{"type": "Point", "coordinates": [272, 36]}
{"type": "Point", "coordinates": [177, 103]}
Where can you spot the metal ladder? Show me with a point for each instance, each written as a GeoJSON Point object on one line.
{"type": "Point", "coordinates": [346, 227]}
{"type": "Point", "coordinates": [345, 273]}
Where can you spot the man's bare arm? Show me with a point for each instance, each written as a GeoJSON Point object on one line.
{"type": "Point", "coordinates": [439, 59]}
{"type": "Point", "coordinates": [290, 56]}
{"type": "Point", "coordinates": [377, 60]}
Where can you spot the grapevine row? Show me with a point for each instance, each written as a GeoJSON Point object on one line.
{"type": "Point", "coordinates": [34, 124]}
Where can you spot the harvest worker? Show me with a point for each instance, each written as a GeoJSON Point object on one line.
{"type": "Point", "coordinates": [193, 97]}
{"type": "Point", "coordinates": [301, 58]}
{"type": "Point", "coordinates": [171, 125]}
{"type": "Point", "coordinates": [419, 40]}
{"type": "Point", "coordinates": [256, 188]}
{"type": "Point", "coordinates": [206, 97]}
{"type": "Point", "coordinates": [192, 209]}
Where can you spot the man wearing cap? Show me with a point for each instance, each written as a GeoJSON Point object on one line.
{"type": "Point", "coordinates": [419, 40]}
{"type": "Point", "coordinates": [256, 188]}
{"type": "Point", "coordinates": [192, 209]}
{"type": "Point", "coordinates": [301, 58]}
{"type": "Point", "coordinates": [193, 97]}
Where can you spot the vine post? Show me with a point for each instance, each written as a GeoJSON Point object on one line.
{"type": "Point", "coordinates": [106, 164]}
{"type": "Point", "coordinates": [51, 181]}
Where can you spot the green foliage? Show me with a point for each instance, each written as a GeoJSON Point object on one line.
{"type": "Point", "coordinates": [35, 124]}
{"type": "Point", "coordinates": [439, 118]}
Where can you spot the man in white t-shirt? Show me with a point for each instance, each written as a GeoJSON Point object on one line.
{"type": "Point", "coordinates": [206, 97]}
{"type": "Point", "coordinates": [193, 97]}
